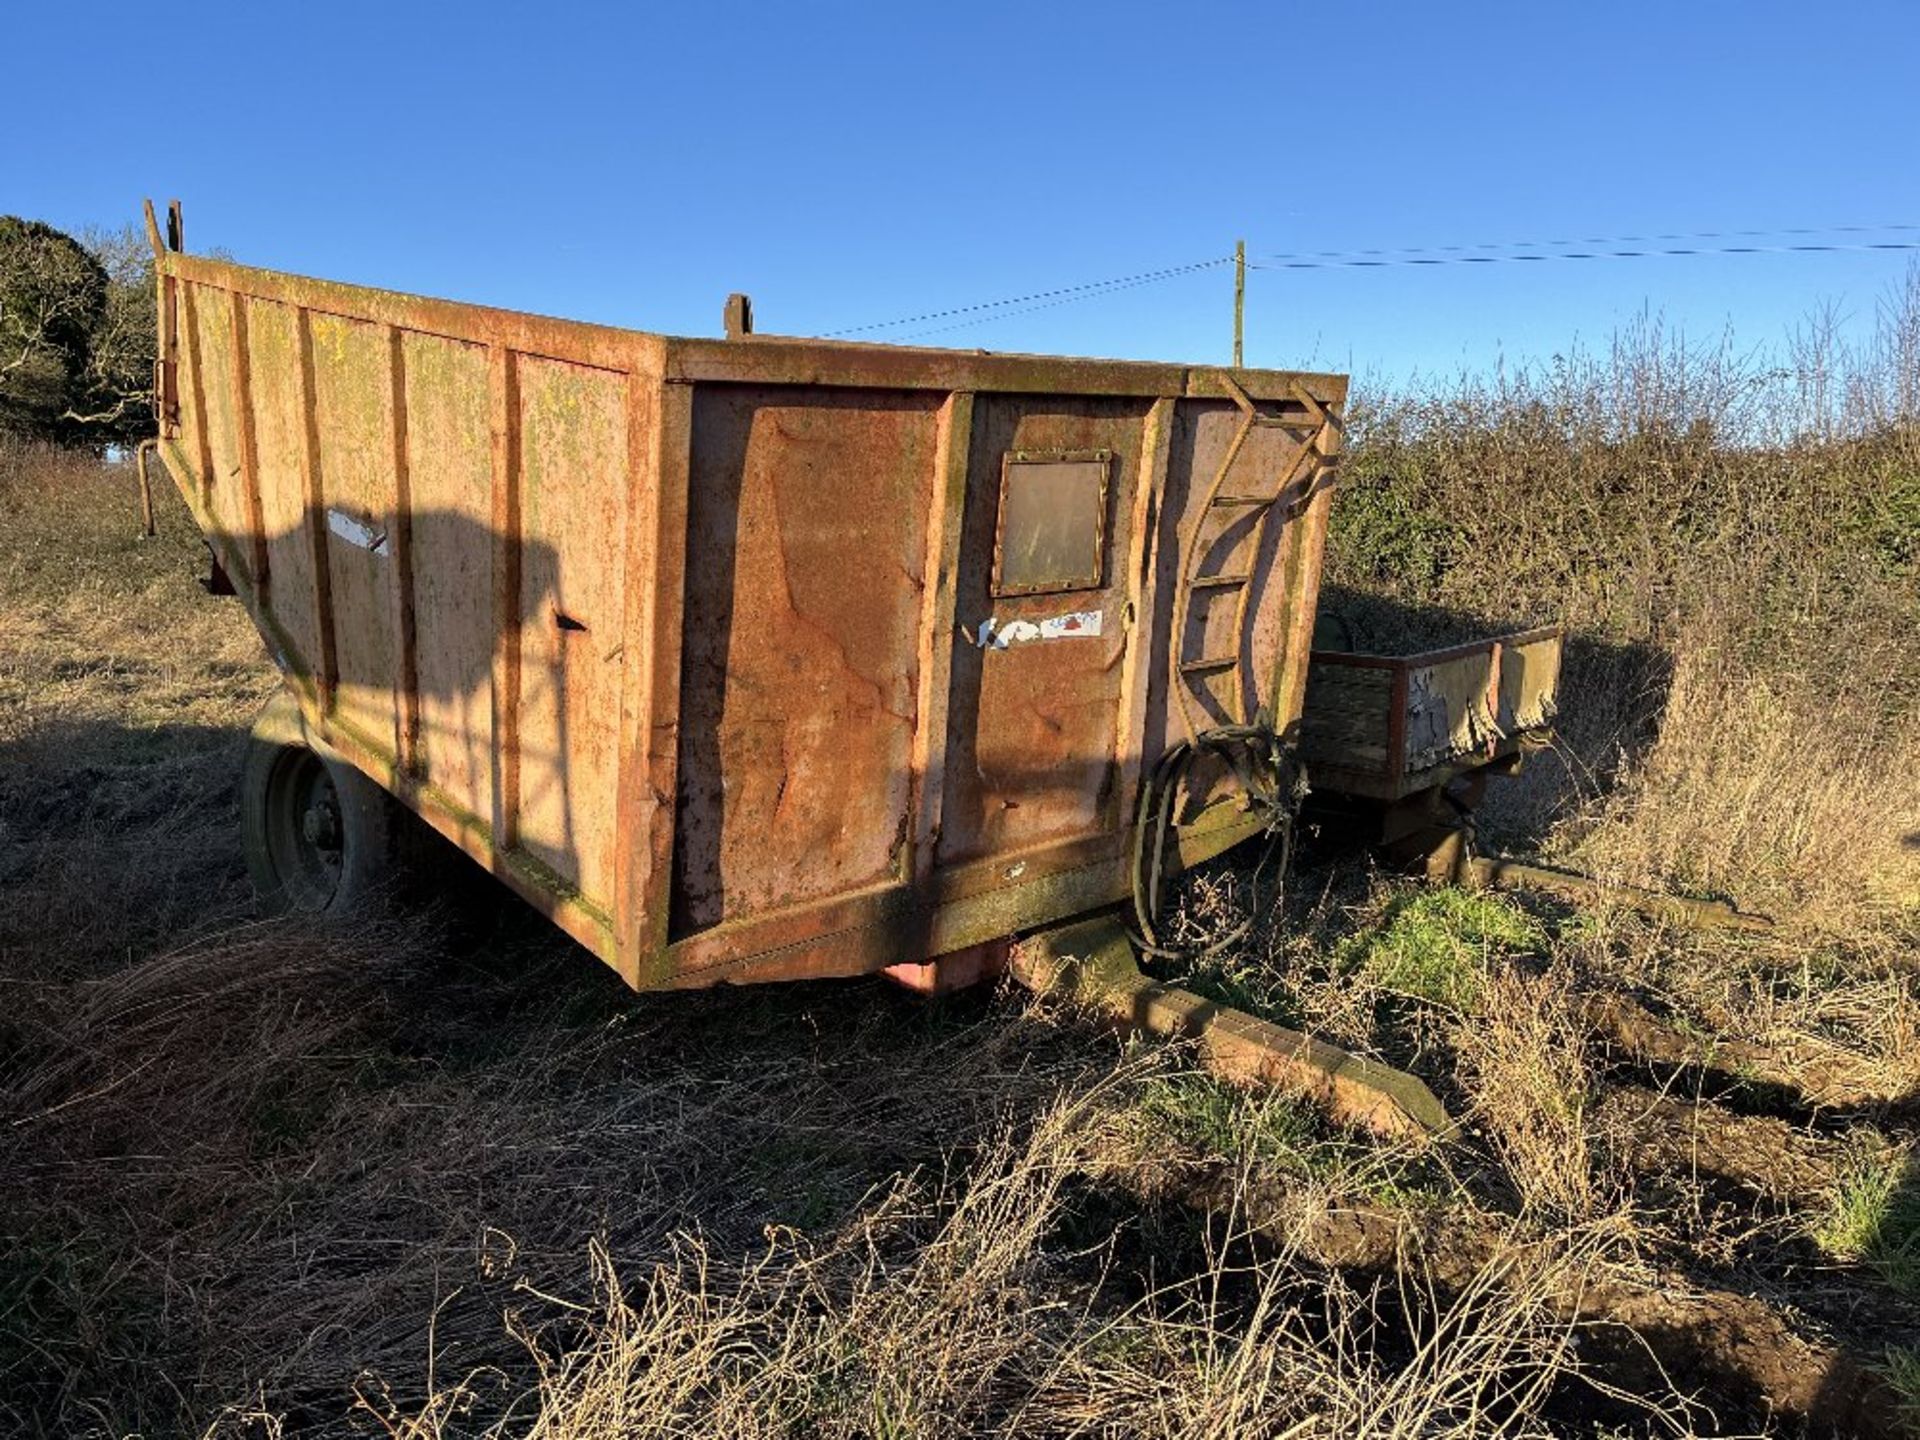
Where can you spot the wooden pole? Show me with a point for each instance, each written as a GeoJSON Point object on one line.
{"type": "Point", "coordinates": [1239, 299]}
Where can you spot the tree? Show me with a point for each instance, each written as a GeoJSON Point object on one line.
{"type": "Point", "coordinates": [114, 401]}
{"type": "Point", "coordinates": [76, 334]}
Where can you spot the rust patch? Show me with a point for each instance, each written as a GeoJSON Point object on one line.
{"type": "Point", "coordinates": [800, 669]}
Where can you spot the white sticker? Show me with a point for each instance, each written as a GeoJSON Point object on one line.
{"type": "Point", "coordinates": [1063, 627]}
{"type": "Point", "coordinates": [995, 635]}
{"type": "Point", "coordinates": [355, 533]}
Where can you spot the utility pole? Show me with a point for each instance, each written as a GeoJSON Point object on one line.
{"type": "Point", "coordinates": [1239, 298]}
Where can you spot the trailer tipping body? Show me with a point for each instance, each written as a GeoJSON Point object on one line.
{"type": "Point", "coordinates": [753, 658]}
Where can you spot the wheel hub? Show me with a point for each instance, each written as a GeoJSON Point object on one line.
{"type": "Point", "coordinates": [321, 825]}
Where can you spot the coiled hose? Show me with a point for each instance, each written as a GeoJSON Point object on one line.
{"type": "Point", "coordinates": [1273, 781]}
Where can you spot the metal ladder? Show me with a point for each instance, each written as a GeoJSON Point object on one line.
{"type": "Point", "coordinates": [1318, 430]}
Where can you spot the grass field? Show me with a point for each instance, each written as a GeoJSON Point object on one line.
{"type": "Point", "coordinates": [257, 1179]}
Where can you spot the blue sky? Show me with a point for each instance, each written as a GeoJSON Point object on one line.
{"type": "Point", "coordinates": [850, 164]}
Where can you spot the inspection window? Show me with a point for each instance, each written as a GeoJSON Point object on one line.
{"type": "Point", "coordinates": [1053, 521]}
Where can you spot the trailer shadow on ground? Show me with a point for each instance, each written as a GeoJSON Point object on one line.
{"type": "Point", "coordinates": [268, 1152]}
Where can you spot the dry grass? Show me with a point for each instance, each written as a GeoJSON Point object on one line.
{"type": "Point", "coordinates": [258, 1181]}
{"type": "Point", "coordinates": [123, 699]}
{"type": "Point", "coordinates": [1524, 1058]}
{"type": "Point", "coordinates": [944, 1312]}
{"type": "Point", "coordinates": [1799, 794]}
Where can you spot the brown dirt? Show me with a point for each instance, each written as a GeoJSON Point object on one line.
{"type": "Point", "coordinates": [1663, 1135]}
{"type": "Point", "coordinates": [1652, 1327]}
{"type": "Point", "coordinates": [1808, 1072]}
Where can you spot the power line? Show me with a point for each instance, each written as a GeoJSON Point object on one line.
{"type": "Point", "coordinates": [1088, 293]}
{"type": "Point", "coordinates": [1093, 291]}
{"type": "Point", "coordinates": [1592, 240]}
{"type": "Point", "coordinates": [1543, 251]}
{"type": "Point", "coordinates": [1069, 292]}
{"type": "Point", "coordinates": [1539, 256]}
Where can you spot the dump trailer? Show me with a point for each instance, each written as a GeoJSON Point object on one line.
{"type": "Point", "coordinates": [749, 658]}
{"type": "Point", "coordinates": [1401, 746]}
{"type": "Point", "coordinates": [1390, 727]}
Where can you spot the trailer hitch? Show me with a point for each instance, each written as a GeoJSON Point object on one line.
{"type": "Point", "coordinates": [1092, 963]}
{"type": "Point", "coordinates": [1451, 861]}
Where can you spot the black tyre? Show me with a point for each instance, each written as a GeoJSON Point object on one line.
{"type": "Point", "coordinates": [320, 837]}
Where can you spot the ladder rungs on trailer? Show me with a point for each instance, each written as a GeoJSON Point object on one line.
{"type": "Point", "coordinates": [1217, 582]}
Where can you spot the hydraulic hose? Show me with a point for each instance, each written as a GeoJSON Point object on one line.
{"type": "Point", "coordinates": [1273, 781]}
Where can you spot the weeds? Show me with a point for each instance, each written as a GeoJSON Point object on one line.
{"type": "Point", "coordinates": [1525, 1062]}
{"type": "Point", "coordinates": [879, 1331]}
{"type": "Point", "coordinates": [1273, 1129]}
{"type": "Point", "coordinates": [1439, 946]}
{"type": "Point", "coordinates": [1180, 1113]}
{"type": "Point", "coordinates": [1873, 1216]}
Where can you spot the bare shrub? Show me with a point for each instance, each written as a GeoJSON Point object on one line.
{"type": "Point", "coordinates": [1752, 522]}
{"type": "Point", "coordinates": [1525, 1061]}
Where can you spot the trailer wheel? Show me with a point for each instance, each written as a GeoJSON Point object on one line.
{"type": "Point", "coordinates": [320, 837]}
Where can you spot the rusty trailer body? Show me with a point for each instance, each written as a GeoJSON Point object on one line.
{"type": "Point", "coordinates": [753, 658]}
